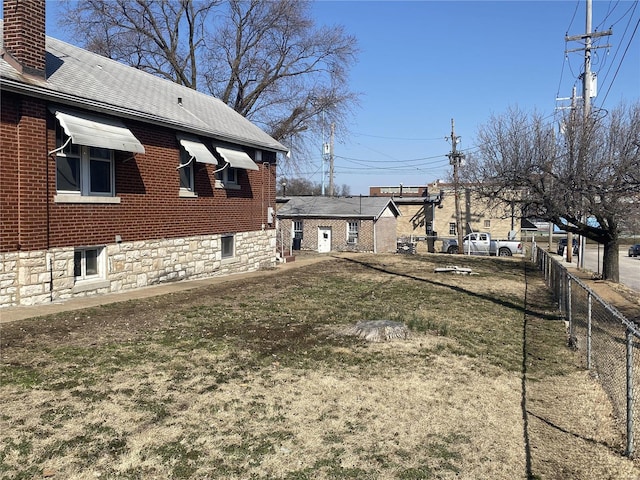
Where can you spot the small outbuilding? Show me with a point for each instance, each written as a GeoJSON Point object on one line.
{"type": "Point", "coordinates": [326, 224]}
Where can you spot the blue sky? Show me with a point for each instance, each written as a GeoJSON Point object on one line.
{"type": "Point", "coordinates": [424, 63]}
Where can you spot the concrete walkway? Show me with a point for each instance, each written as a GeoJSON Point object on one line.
{"type": "Point", "coordinates": [12, 314]}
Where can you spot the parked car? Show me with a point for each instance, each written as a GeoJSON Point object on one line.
{"type": "Point", "coordinates": [480, 243]}
{"type": "Point", "coordinates": [634, 250]}
{"type": "Point", "coordinates": [562, 244]}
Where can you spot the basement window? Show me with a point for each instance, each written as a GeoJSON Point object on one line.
{"type": "Point", "coordinates": [88, 263]}
{"type": "Point", "coordinates": [227, 246]}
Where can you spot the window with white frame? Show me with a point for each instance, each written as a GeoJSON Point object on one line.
{"type": "Point", "coordinates": [228, 176]}
{"type": "Point", "coordinates": [88, 263]}
{"type": "Point", "coordinates": [83, 170]}
{"type": "Point", "coordinates": [452, 228]}
{"type": "Point", "coordinates": [227, 246]}
{"type": "Point", "coordinates": [186, 171]}
{"type": "Point", "coordinates": [297, 228]}
{"type": "Point", "coordinates": [352, 232]}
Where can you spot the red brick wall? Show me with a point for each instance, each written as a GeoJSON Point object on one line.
{"type": "Point", "coordinates": [148, 187]}
{"type": "Point", "coordinates": [24, 33]}
{"type": "Point", "coordinates": [9, 117]}
{"type": "Point", "coordinates": [23, 165]}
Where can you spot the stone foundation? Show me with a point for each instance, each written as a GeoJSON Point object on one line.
{"type": "Point", "coordinates": [36, 277]}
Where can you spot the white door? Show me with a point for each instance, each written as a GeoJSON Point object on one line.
{"type": "Point", "coordinates": [324, 239]}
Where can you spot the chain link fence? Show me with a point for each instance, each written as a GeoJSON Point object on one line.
{"type": "Point", "coordinates": [607, 341]}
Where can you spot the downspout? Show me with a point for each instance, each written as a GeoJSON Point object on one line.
{"type": "Point", "coordinates": [49, 257]}
{"type": "Point", "coordinates": [375, 236]}
{"type": "Point", "coordinates": [265, 169]}
{"type": "Point", "coordinates": [262, 217]}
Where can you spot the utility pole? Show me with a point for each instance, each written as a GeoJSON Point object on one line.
{"type": "Point", "coordinates": [333, 131]}
{"type": "Point", "coordinates": [589, 90]}
{"type": "Point", "coordinates": [323, 157]}
{"type": "Point", "coordinates": [455, 158]}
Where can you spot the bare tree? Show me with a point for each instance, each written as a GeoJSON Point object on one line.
{"type": "Point", "coordinates": [583, 179]}
{"type": "Point", "coordinates": [303, 186]}
{"type": "Point", "coordinates": [164, 38]}
{"type": "Point", "coordinates": [271, 64]}
{"type": "Point", "coordinates": [265, 59]}
{"type": "Point", "coordinates": [298, 186]}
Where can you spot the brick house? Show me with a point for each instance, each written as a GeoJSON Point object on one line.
{"type": "Point", "coordinates": [324, 224]}
{"type": "Point", "coordinates": [113, 179]}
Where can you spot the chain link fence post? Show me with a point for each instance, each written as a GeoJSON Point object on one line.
{"type": "Point", "coordinates": [569, 311]}
{"type": "Point", "coordinates": [629, 451]}
{"type": "Point", "coordinates": [588, 330]}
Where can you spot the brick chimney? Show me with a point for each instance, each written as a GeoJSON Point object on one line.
{"type": "Point", "coordinates": [24, 36]}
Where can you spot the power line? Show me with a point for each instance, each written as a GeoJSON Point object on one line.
{"type": "Point", "coordinates": [388, 161]}
{"type": "Point", "coordinates": [621, 60]}
{"type": "Point", "coordinates": [403, 139]}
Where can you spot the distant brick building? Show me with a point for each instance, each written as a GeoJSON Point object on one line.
{"type": "Point", "coordinates": [429, 211]}
{"type": "Point", "coordinates": [112, 179]}
{"type": "Point", "coordinates": [324, 224]}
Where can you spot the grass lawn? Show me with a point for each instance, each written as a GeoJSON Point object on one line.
{"type": "Point", "coordinates": [257, 378]}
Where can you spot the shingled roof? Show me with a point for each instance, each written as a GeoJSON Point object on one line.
{"type": "Point", "coordinates": [79, 78]}
{"type": "Point", "coordinates": [337, 207]}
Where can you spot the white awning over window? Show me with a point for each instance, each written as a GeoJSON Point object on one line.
{"type": "Point", "coordinates": [237, 158]}
{"type": "Point", "coordinates": [197, 149]}
{"type": "Point", "coordinates": [97, 131]}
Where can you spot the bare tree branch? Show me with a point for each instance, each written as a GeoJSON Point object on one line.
{"type": "Point", "coordinates": [266, 59]}
{"type": "Point", "coordinates": [583, 179]}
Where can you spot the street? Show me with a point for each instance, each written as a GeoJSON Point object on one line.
{"type": "Point", "coordinates": [629, 266]}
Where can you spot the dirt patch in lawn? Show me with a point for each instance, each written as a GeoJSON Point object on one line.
{"type": "Point", "coordinates": [256, 378]}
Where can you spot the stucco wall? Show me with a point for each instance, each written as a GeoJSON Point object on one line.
{"type": "Point", "coordinates": [386, 240]}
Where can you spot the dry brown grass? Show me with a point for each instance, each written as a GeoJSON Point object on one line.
{"type": "Point", "coordinates": [256, 379]}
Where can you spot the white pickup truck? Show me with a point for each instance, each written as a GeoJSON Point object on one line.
{"type": "Point", "coordinates": [479, 243]}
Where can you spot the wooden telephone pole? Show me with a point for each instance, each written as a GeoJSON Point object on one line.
{"type": "Point", "coordinates": [588, 91]}
{"type": "Point", "coordinates": [455, 158]}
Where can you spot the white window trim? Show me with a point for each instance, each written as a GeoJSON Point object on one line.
{"type": "Point", "coordinates": [223, 181]}
{"type": "Point", "coordinates": [85, 159]}
{"type": "Point", "coordinates": [294, 230]}
{"type": "Point", "coordinates": [99, 280]}
{"type": "Point", "coordinates": [187, 161]}
{"type": "Point", "coordinates": [356, 231]}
